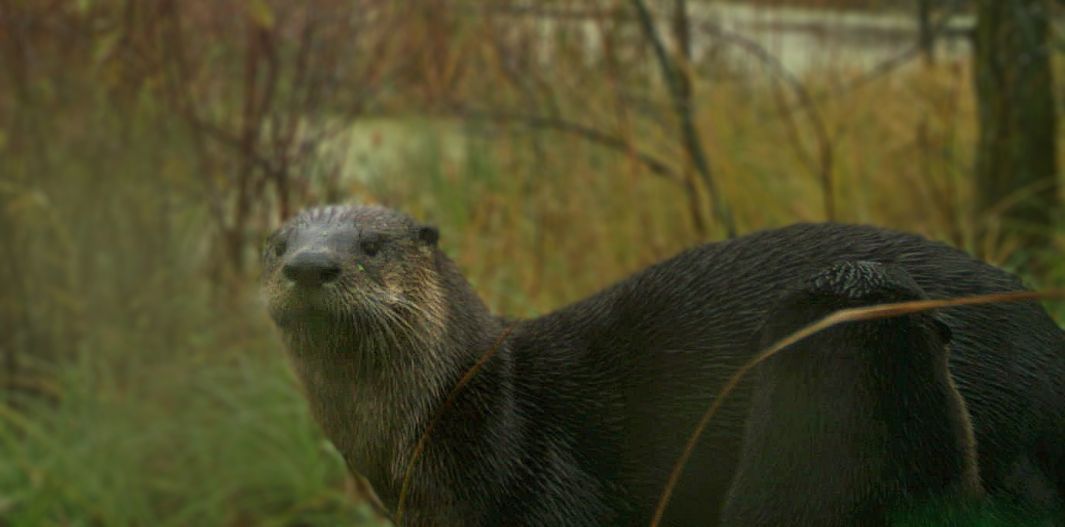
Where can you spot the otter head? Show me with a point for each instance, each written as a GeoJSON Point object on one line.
{"type": "Point", "coordinates": [352, 278]}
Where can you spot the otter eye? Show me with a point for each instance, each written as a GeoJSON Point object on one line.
{"type": "Point", "coordinates": [370, 247]}
{"type": "Point", "coordinates": [275, 246]}
{"type": "Point", "coordinates": [280, 247]}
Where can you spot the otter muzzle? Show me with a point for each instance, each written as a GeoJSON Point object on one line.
{"type": "Point", "coordinates": [311, 269]}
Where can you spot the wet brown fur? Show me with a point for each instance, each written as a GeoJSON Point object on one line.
{"type": "Point", "coordinates": [580, 416]}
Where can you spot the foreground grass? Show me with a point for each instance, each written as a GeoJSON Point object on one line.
{"type": "Point", "coordinates": [224, 440]}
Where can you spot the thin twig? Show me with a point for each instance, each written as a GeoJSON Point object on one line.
{"type": "Point", "coordinates": [845, 315]}
{"type": "Point", "coordinates": [535, 10]}
{"type": "Point", "coordinates": [890, 64]}
{"type": "Point", "coordinates": [655, 165]}
{"type": "Point", "coordinates": [684, 108]}
{"type": "Point", "coordinates": [419, 447]}
{"type": "Point", "coordinates": [823, 169]}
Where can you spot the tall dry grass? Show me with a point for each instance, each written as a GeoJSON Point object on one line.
{"type": "Point", "coordinates": [141, 383]}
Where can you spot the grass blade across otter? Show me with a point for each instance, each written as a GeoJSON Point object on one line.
{"type": "Point", "coordinates": [845, 315]}
{"type": "Point", "coordinates": [419, 447]}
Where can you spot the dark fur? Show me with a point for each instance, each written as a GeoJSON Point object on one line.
{"type": "Point", "coordinates": [579, 417]}
{"type": "Point", "coordinates": [863, 417]}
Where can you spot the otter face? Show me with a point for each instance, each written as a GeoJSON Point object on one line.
{"type": "Point", "coordinates": [359, 267]}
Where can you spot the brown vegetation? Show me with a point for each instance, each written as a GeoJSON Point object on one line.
{"type": "Point", "coordinates": [146, 148]}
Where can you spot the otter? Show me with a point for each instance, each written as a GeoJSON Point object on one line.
{"type": "Point", "coordinates": [864, 417]}
{"type": "Point", "coordinates": [579, 415]}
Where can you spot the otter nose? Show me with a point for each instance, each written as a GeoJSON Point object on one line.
{"type": "Point", "coordinates": [311, 269]}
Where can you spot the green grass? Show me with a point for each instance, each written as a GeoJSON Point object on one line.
{"type": "Point", "coordinates": [225, 440]}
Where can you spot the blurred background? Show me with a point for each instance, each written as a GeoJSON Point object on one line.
{"type": "Point", "coordinates": [148, 147]}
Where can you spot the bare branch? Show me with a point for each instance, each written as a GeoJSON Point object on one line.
{"type": "Point", "coordinates": [655, 165]}
{"type": "Point", "coordinates": [534, 10]}
{"type": "Point", "coordinates": [823, 169]}
{"type": "Point", "coordinates": [889, 65]}
{"type": "Point", "coordinates": [684, 108]}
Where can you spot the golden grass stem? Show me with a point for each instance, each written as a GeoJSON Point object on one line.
{"type": "Point", "coordinates": [419, 447]}
{"type": "Point", "coordinates": [845, 315]}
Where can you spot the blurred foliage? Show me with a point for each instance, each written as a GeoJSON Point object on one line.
{"type": "Point", "coordinates": [147, 147]}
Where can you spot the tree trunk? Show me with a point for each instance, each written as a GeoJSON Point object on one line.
{"type": "Point", "coordinates": [1016, 187]}
{"type": "Point", "coordinates": [926, 38]}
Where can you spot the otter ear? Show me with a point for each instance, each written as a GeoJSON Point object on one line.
{"type": "Point", "coordinates": [428, 235]}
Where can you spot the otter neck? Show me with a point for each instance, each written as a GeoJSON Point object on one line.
{"type": "Point", "coordinates": [374, 397]}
